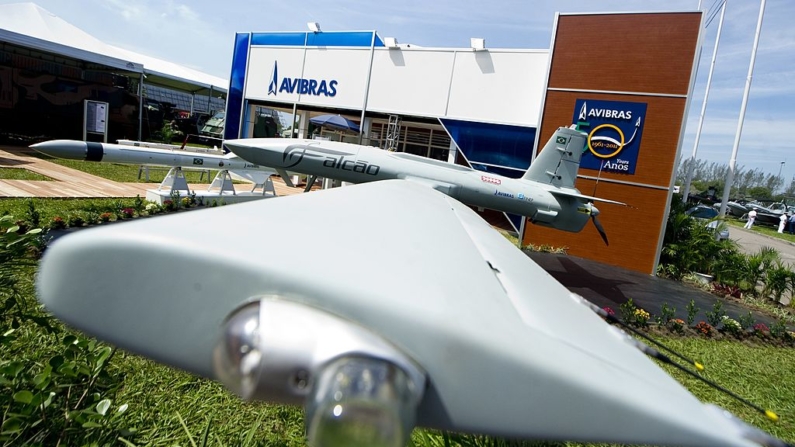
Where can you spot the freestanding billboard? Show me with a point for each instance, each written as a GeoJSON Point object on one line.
{"type": "Point", "coordinates": [634, 117]}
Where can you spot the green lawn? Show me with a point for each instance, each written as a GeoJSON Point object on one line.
{"type": "Point", "coordinates": [21, 174]}
{"type": "Point", "coordinates": [167, 407]}
{"type": "Point", "coordinates": [763, 229]}
{"type": "Point", "coordinates": [127, 173]}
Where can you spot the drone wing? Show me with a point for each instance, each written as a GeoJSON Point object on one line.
{"type": "Point", "coordinates": [507, 350]}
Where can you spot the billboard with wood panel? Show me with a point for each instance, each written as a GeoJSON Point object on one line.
{"type": "Point", "coordinates": [626, 80]}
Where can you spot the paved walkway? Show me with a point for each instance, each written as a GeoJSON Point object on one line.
{"type": "Point", "coordinates": [751, 242]}
{"type": "Point", "coordinates": [609, 286]}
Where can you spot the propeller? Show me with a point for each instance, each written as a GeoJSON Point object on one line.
{"type": "Point", "coordinates": [594, 211]}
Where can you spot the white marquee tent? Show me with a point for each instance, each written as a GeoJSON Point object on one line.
{"type": "Point", "coordinates": [30, 26]}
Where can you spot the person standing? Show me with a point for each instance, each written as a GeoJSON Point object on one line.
{"type": "Point", "coordinates": [782, 222]}
{"type": "Point", "coordinates": [751, 218]}
{"type": "Point", "coordinates": [791, 223]}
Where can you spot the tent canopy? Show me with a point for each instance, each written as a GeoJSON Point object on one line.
{"type": "Point", "coordinates": [28, 25]}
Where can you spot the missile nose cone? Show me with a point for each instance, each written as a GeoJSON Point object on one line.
{"type": "Point", "coordinates": [245, 151]}
{"type": "Point", "coordinates": [258, 151]}
{"type": "Point", "coordinates": [69, 149]}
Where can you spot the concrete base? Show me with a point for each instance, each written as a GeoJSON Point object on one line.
{"type": "Point", "coordinates": [207, 197]}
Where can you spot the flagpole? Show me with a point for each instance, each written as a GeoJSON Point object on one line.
{"type": "Point", "coordinates": [692, 165]}
{"type": "Point", "coordinates": [733, 160]}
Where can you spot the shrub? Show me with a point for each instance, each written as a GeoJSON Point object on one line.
{"type": "Point", "coordinates": [715, 316]}
{"type": "Point", "coordinates": [704, 328]}
{"type": "Point", "coordinates": [692, 310]}
{"type": "Point", "coordinates": [105, 217]}
{"type": "Point", "coordinates": [169, 205]}
{"type": "Point", "coordinates": [641, 318]}
{"type": "Point", "coordinates": [761, 329]}
{"type": "Point", "coordinates": [778, 329]}
{"type": "Point", "coordinates": [677, 325]}
{"type": "Point", "coordinates": [756, 265]}
{"type": "Point", "coordinates": [727, 290]}
{"type": "Point", "coordinates": [22, 227]}
{"type": "Point", "coordinates": [627, 311]}
{"type": "Point", "coordinates": [75, 220]}
{"type": "Point", "coordinates": [777, 281]}
{"type": "Point", "coordinates": [731, 326]}
{"type": "Point", "coordinates": [666, 314]}
{"type": "Point", "coordinates": [175, 198]}
{"type": "Point", "coordinates": [138, 205]}
{"type": "Point", "coordinates": [32, 215]}
{"type": "Point", "coordinates": [186, 202]}
{"type": "Point", "coordinates": [747, 321]}
{"type": "Point", "coordinates": [127, 213]}
{"type": "Point", "coordinates": [57, 223]}
{"type": "Point", "coordinates": [152, 208]}
{"type": "Point", "coordinates": [92, 217]}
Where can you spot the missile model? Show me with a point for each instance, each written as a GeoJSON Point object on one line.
{"type": "Point", "coordinates": [117, 153]}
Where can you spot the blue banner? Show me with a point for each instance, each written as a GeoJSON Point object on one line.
{"type": "Point", "coordinates": [614, 132]}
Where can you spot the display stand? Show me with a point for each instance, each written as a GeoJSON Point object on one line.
{"type": "Point", "coordinates": [95, 119]}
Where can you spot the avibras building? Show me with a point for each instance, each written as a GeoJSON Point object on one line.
{"type": "Point", "coordinates": [490, 108]}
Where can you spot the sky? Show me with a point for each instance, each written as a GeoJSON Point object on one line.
{"type": "Point", "coordinates": [199, 34]}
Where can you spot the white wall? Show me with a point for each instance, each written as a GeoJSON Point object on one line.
{"type": "Point", "coordinates": [500, 86]}
{"type": "Point", "coordinates": [414, 82]}
{"type": "Point", "coordinates": [348, 67]}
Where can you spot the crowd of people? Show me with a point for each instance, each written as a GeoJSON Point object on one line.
{"type": "Point", "coordinates": [786, 222]}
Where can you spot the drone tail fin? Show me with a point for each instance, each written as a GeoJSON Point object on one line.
{"type": "Point", "coordinates": [557, 164]}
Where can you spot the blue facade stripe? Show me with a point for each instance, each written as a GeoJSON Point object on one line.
{"type": "Point", "coordinates": [516, 220]}
{"type": "Point", "coordinates": [350, 39]}
{"type": "Point", "coordinates": [237, 79]}
{"type": "Point", "coordinates": [322, 39]}
{"type": "Point", "coordinates": [505, 172]}
{"type": "Point", "coordinates": [287, 39]}
{"type": "Point", "coordinates": [494, 144]}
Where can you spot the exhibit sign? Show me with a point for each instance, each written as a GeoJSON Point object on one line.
{"type": "Point", "coordinates": [615, 130]}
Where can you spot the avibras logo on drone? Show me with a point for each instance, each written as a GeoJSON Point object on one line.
{"type": "Point", "coordinates": [614, 131]}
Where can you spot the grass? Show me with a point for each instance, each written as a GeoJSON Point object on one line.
{"type": "Point", "coordinates": [763, 229]}
{"type": "Point", "coordinates": [126, 173]}
{"type": "Point", "coordinates": [21, 174]}
{"type": "Point", "coordinates": [169, 407]}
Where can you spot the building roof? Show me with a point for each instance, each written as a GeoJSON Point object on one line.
{"type": "Point", "coordinates": [31, 26]}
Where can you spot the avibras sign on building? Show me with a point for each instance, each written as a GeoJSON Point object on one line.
{"type": "Point", "coordinates": [614, 132]}
{"type": "Point", "coordinates": [300, 86]}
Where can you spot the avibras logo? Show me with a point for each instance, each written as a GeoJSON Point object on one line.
{"type": "Point", "coordinates": [300, 86]}
{"type": "Point", "coordinates": [614, 129]}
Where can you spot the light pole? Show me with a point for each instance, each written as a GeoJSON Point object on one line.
{"type": "Point", "coordinates": [733, 160]}
{"type": "Point", "coordinates": [779, 173]}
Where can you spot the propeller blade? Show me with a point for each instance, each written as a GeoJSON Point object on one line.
{"type": "Point", "coordinates": [599, 228]}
